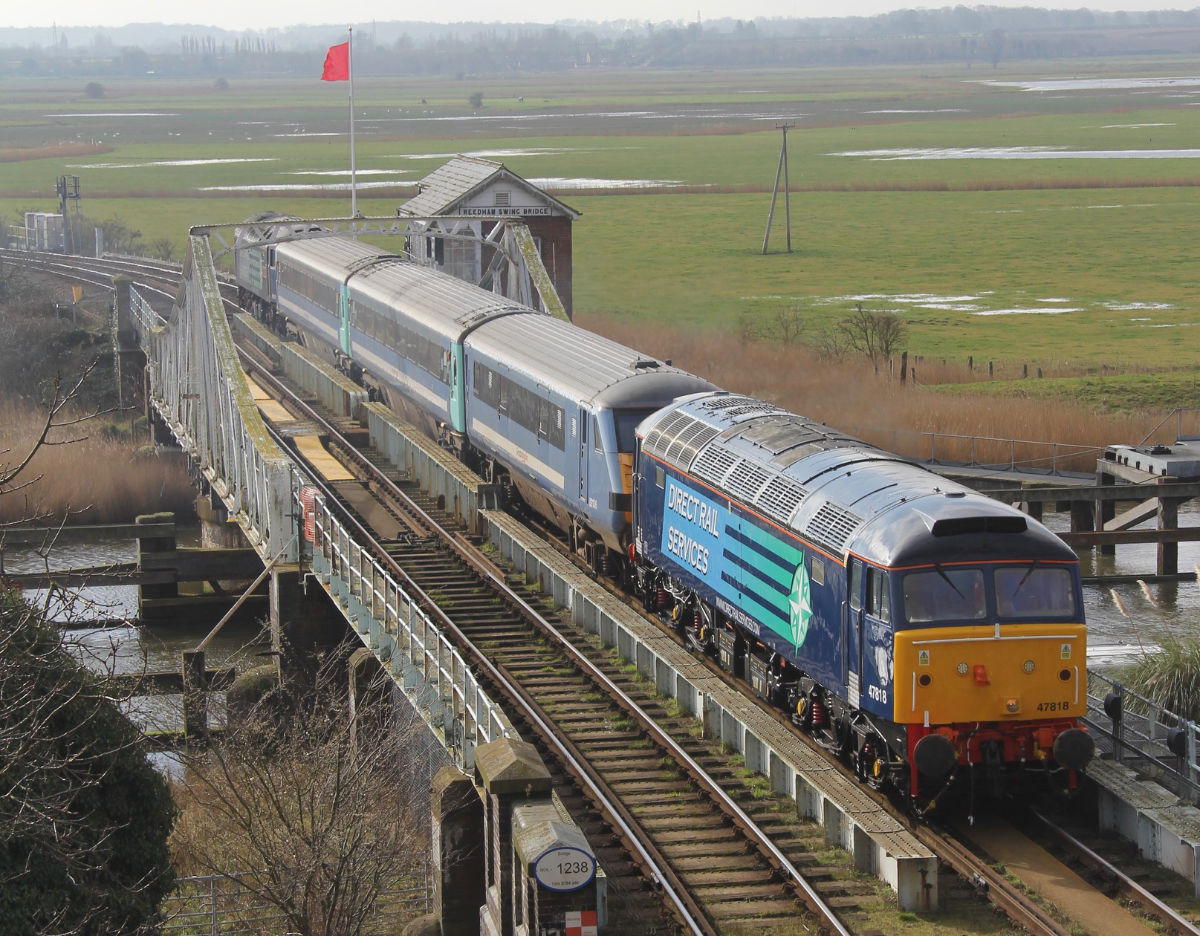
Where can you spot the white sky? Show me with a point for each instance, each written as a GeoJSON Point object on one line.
{"type": "Point", "coordinates": [241, 14]}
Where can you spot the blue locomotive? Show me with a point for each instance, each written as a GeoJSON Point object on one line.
{"type": "Point", "coordinates": [913, 625]}
{"type": "Point", "coordinates": [542, 408]}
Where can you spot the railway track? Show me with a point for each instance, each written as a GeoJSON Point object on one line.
{"type": "Point", "coordinates": [742, 872]}
{"type": "Point", "coordinates": [705, 836]}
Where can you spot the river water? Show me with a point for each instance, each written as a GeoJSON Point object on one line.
{"type": "Point", "coordinates": [1114, 637]}
{"type": "Point", "coordinates": [127, 650]}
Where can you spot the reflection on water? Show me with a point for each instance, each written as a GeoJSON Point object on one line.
{"type": "Point", "coordinates": [1163, 610]}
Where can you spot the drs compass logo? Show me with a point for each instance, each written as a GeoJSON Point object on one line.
{"type": "Point", "coordinates": [800, 609]}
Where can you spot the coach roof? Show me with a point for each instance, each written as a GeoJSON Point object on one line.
{"type": "Point", "coordinates": [579, 364]}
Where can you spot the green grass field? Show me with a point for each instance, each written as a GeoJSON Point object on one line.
{"type": "Point", "coordinates": [1061, 262]}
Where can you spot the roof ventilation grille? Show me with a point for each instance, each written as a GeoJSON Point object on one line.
{"type": "Point", "coordinates": [833, 525]}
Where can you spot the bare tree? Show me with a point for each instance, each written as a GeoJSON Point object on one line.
{"type": "Point", "coordinates": [781, 324]}
{"type": "Point", "coordinates": [327, 822]}
{"type": "Point", "coordinates": [875, 335]}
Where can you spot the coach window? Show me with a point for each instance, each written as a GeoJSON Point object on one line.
{"type": "Point", "coordinates": [597, 442]}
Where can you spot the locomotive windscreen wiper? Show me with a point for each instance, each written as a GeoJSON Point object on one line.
{"type": "Point", "coordinates": [1024, 577]}
{"type": "Point", "coordinates": [937, 567]}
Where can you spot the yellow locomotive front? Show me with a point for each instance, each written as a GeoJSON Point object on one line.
{"type": "Point", "coordinates": [991, 671]}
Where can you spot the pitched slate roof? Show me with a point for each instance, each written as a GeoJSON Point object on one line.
{"type": "Point", "coordinates": [449, 185]}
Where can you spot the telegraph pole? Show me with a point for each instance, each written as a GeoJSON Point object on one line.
{"type": "Point", "coordinates": [781, 171]}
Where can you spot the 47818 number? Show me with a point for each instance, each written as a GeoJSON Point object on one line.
{"type": "Point", "coordinates": [1053, 706]}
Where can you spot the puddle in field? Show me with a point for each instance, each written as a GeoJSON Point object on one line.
{"type": "Point", "coordinates": [1137, 307]}
{"type": "Point", "coordinates": [1172, 325]}
{"type": "Point", "coordinates": [913, 298]}
{"type": "Point", "coordinates": [484, 154]}
{"type": "Point", "coordinates": [298, 187]}
{"type": "Point", "coordinates": [1026, 311]}
{"type": "Point", "coordinates": [557, 183]}
{"type": "Point", "coordinates": [1095, 84]}
{"type": "Point", "coordinates": [1017, 152]}
{"type": "Point", "coordinates": [934, 110]}
{"type": "Point", "coordinates": [114, 114]}
{"type": "Point", "coordinates": [175, 162]}
{"type": "Point", "coordinates": [346, 172]}
{"type": "Point", "coordinates": [327, 133]}
{"type": "Point", "coordinates": [1136, 126]}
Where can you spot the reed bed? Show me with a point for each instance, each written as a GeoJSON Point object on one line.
{"type": "Point", "coordinates": [92, 479]}
{"type": "Point", "coordinates": [909, 419]}
{"type": "Point", "coordinates": [53, 151]}
{"type": "Point", "coordinates": [1170, 676]}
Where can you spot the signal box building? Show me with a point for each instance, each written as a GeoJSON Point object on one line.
{"type": "Point", "coordinates": [478, 192]}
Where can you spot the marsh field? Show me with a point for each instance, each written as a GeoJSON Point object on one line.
{"type": "Point", "coordinates": [1040, 218]}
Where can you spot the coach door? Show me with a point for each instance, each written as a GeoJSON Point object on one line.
{"type": "Point", "coordinates": [583, 424]}
{"type": "Point", "coordinates": [857, 575]}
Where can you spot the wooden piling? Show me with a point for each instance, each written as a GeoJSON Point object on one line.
{"type": "Point", "coordinates": [195, 696]}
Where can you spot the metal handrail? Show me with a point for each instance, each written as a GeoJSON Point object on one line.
{"type": "Point", "coordinates": [1177, 414]}
{"type": "Point", "coordinates": [1147, 733]}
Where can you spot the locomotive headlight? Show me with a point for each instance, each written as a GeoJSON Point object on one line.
{"type": "Point", "coordinates": [1012, 706]}
{"type": "Point", "coordinates": [962, 669]}
{"type": "Point", "coordinates": [1028, 666]}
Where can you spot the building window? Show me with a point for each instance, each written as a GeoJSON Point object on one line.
{"type": "Point", "coordinates": [501, 199]}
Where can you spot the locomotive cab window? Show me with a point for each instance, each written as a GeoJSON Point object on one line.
{"type": "Point", "coordinates": [856, 577]}
{"type": "Point", "coordinates": [945, 595]}
{"type": "Point", "coordinates": [1034, 592]}
{"type": "Point", "coordinates": [879, 602]}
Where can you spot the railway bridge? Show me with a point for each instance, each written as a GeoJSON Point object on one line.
{"type": "Point", "coordinates": [545, 863]}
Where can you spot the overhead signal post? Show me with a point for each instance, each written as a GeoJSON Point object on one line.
{"type": "Point", "coordinates": [781, 171]}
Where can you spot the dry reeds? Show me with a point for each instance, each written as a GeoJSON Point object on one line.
{"type": "Point", "coordinates": [93, 479]}
{"type": "Point", "coordinates": [910, 420]}
{"type": "Point", "coordinates": [53, 151]}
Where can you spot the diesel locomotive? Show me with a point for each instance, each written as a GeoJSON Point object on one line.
{"type": "Point", "coordinates": [912, 625]}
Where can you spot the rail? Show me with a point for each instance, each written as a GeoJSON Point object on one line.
{"type": "Point", "coordinates": [1138, 731]}
{"type": "Point", "coordinates": [144, 313]}
{"type": "Point", "coordinates": [1032, 456]}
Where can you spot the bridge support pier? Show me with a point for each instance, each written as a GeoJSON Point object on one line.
{"type": "Point", "coordinates": [216, 530]}
{"type": "Point", "coordinates": [304, 622]}
{"type": "Point", "coordinates": [458, 849]}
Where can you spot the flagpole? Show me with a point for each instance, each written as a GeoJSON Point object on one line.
{"type": "Point", "coordinates": [353, 174]}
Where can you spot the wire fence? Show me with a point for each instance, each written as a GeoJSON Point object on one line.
{"type": "Point", "coordinates": [229, 905]}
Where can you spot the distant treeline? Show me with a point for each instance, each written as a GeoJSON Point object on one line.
{"type": "Point", "coordinates": [972, 35]}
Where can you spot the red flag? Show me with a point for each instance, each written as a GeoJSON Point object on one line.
{"type": "Point", "coordinates": [337, 63]}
